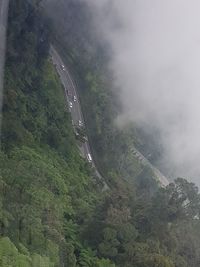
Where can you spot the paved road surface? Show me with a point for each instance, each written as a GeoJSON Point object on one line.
{"type": "Point", "coordinates": [76, 114]}
{"type": "Point", "coordinates": [161, 177]}
{"type": "Point", "coordinates": [71, 93]}
{"type": "Point", "coordinates": [3, 11]}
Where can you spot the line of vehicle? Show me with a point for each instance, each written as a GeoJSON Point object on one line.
{"type": "Point", "coordinates": [75, 110]}
{"type": "Point", "coordinates": [85, 149]}
{"type": "Point", "coordinates": [69, 80]}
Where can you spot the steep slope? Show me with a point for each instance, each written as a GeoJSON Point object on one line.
{"type": "Point", "coordinates": [53, 211]}
{"type": "Point", "coordinates": [47, 190]}
{"type": "Point", "coordinates": [87, 57]}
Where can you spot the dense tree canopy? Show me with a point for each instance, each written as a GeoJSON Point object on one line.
{"type": "Point", "coordinates": [53, 211]}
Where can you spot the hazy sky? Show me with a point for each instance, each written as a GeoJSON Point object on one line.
{"type": "Point", "coordinates": [156, 64]}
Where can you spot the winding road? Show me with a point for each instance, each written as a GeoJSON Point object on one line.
{"type": "Point", "coordinates": [163, 180]}
{"type": "Point", "coordinates": [71, 96]}
{"type": "Point", "coordinates": [74, 107]}
{"type": "Point", "coordinates": [76, 114]}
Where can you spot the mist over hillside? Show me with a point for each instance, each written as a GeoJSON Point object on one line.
{"type": "Point", "coordinates": [156, 62]}
{"type": "Point", "coordinates": [75, 191]}
{"type": "Point", "coordinates": [154, 59]}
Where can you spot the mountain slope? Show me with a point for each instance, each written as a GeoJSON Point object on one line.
{"type": "Point", "coordinates": [53, 211]}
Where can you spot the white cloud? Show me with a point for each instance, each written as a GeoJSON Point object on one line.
{"type": "Point", "coordinates": [156, 63]}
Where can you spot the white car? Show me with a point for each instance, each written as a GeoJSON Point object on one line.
{"type": "Point", "coordinates": [63, 67]}
{"type": "Point", "coordinates": [75, 98]}
{"type": "Point", "coordinates": [70, 104]}
{"type": "Point", "coordinates": [89, 158]}
{"type": "Point", "coordinates": [80, 123]}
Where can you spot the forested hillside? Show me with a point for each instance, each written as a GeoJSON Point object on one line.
{"type": "Point", "coordinates": [53, 211]}
{"type": "Point", "coordinates": [87, 58]}
{"type": "Point", "coordinates": [48, 193]}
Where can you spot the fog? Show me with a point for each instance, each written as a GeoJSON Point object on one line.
{"type": "Point", "coordinates": [156, 65]}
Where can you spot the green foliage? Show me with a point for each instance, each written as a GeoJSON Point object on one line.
{"type": "Point", "coordinates": [52, 212]}
{"type": "Point", "coordinates": [47, 193]}
{"type": "Point", "coordinates": [104, 263]}
{"type": "Point", "coordinates": [157, 261]}
{"type": "Point", "coordinates": [141, 225]}
{"type": "Point", "coordinates": [108, 248]}
{"type": "Point", "coordinates": [11, 257]}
